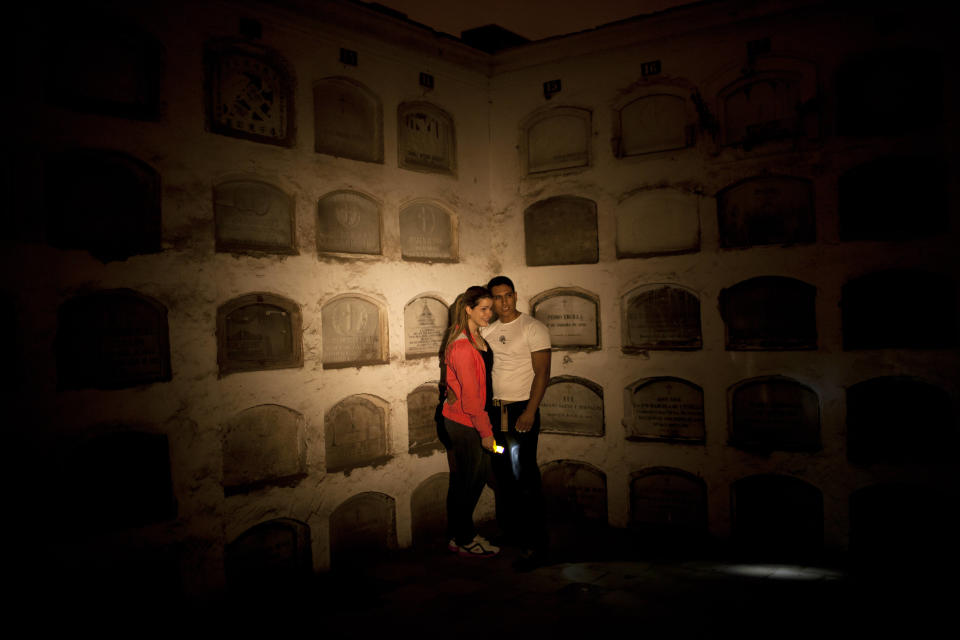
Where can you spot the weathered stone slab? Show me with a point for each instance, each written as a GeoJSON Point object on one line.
{"type": "Point", "coordinates": [422, 405]}
{"type": "Point", "coordinates": [777, 516]}
{"type": "Point", "coordinates": [668, 498]}
{"type": "Point", "coordinates": [355, 432]}
{"type": "Point", "coordinates": [253, 216]}
{"type": "Point", "coordinates": [664, 409]}
{"type": "Point", "coordinates": [571, 315]}
{"type": "Point", "coordinates": [348, 222]}
{"type": "Point", "coordinates": [660, 222]}
{"type": "Point", "coordinates": [354, 332]}
{"type": "Point", "coordinates": [361, 527]}
{"type": "Point", "coordinates": [574, 491]}
{"type": "Point", "coordinates": [269, 556]}
{"type": "Point", "coordinates": [775, 413]}
{"type": "Point", "coordinates": [348, 120]}
{"type": "Point", "coordinates": [656, 122]}
{"type": "Point", "coordinates": [556, 139]}
{"type": "Point", "coordinates": [766, 210]}
{"type": "Point", "coordinates": [427, 233]}
{"type": "Point", "coordinates": [561, 230]}
{"type": "Point", "coordinates": [425, 319]}
{"type": "Point", "coordinates": [771, 313]}
{"type": "Point", "coordinates": [572, 406]}
{"type": "Point", "coordinates": [426, 138]}
{"type": "Point", "coordinates": [262, 445]}
{"type": "Point", "coordinates": [428, 506]}
{"type": "Point", "coordinates": [661, 316]}
{"type": "Point", "coordinates": [259, 331]}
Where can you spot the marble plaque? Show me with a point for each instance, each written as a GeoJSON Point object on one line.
{"type": "Point", "coordinates": [668, 498]}
{"type": "Point", "coordinates": [111, 340]}
{"type": "Point", "coordinates": [661, 317]}
{"type": "Point", "coordinates": [348, 120]}
{"type": "Point", "coordinates": [269, 556]}
{"type": "Point", "coordinates": [262, 445]}
{"type": "Point", "coordinates": [777, 517]}
{"type": "Point", "coordinates": [361, 527]}
{"type": "Point", "coordinates": [558, 139]}
{"type": "Point", "coordinates": [253, 216]}
{"type": "Point", "coordinates": [348, 222]}
{"type": "Point", "coordinates": [763, 108]}
{"type": "Point", "coordinates": [664, 409]}
{"type": "Point", "coordinates": [561, 230]}
{"type": "Point", "coordinates": [770, 313]}
{"type": "Point", "coordinates": [572, 316]}
{"type": "Point", "coordinates": [426, 139]}
{"type": "Point", "coordinates": [259, 331]}
{"type": "Point", "coordinates": [775, 414]}
{"type": "Point", "coordinates": [427, 233]}
{"type": "Point", "coordinates": [428, 506]}
{"type": "Point", "coordinates": [652, 123]}
{"type": "Point", "coordinates": [355, 431]}
{"type": "Point", "coordinates": [574, 491]}
{"type": "Point", "coordinates": [572, 406]}
{"type": "Point", "coordinates": [105, 202]}
{"type": "Point", "coordinates": [425, 320]}
{"type": "Point", "coordinates": [422, 405]}
{"type": "Point", "coordinates": [766, 210]}
{"type": "Point", "coordinates": [660, 222]}
{"type": "Point", "coordinates": [354, 333]}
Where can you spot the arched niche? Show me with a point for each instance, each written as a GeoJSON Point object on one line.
{"type": "Point", "coordinates": [656, 118]}
{"type": "Point", "coordinates": [112, 339]}
{"type": "Point", "coordinates": [105, 202]}
{"type": "Point", "coordinates": [571, 314]}
{"type": "Point", "coordinates": [249, 92]}
{"type": "Point", "coordinates": [665, 499]}
{"type": "Point", "coordinates": [259, 331]}
{"type": "Point", "coordinates": [428, 232]}
{"type": "Point", "coordinates": [658, 222]}
{"type": "Point", "coordinates": [661, 316]}
{"type": "Point", "coordinates": [664, 409]}
{"type": "Point", "coordinates": [355, 433]}
{"type": "Point", "coordinates": [774, 413]}
{"type": "Point", "coordinates": [354, 332]}
{"type": "Point", "coordinates": [425, 320]}
{"type": "Point", "coordinates": [555, 139]}
{"type": "Point", "coordinates": [900, 419]}
{"type": "Point", "coordinates": [263, 446]}
{"type": "Point", "coordinates": [361, 528]}
{"type": "Point", "coordinates": [422, 415]}
{"type": "Point", "coordinates": [348, 222]}
{"type": "Point", "coordinates": [269, 557]}
{"type": "Point", "coordinates": [347, 120]}
{"type": "Point", "coordinates": [899, 308]}
{"type": "Point", "coordinates": [561, 230]}
{"type": "Point", "coordinates": [766, 210]}
{"type": "Point", "coordinates": [777, 517]}
{"type": "Point", "coordinates": [769, 313]}
{"type": "Point", "coordinates": [426, 138]}
{"type": "Point", "coordinates": [572, 406]}
{"type": "Point", "coordinates": [428, 506]}
{"type": "Point", "coordinates": [894, 198]}
{"type": "Point", "coordinates": [253, 216]}
{"type": "Point", "coordinates": [574, 491]}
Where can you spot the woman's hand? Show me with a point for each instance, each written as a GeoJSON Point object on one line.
{"type": "Point", "coordinates": [487, 443]}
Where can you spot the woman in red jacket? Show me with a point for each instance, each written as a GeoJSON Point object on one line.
{"type": "Point", "coordinates": [468, 361]}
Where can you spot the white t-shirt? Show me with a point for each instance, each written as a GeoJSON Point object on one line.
{"type": "Point", "coordinates": [512, 344]}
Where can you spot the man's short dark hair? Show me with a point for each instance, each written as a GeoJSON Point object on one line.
{"type": "Point", "coordinates": [496, 281]}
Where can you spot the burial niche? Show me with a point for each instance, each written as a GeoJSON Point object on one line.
{"type": "Point", "coordinates": [777, 517]}
{"type": "Point", "coordinates": [250, 215]}
{"type": "Point", "coordinates": [348, 222]}
{"type": "Point", "coordinates": [899, 308]}
{"type": "Point", "coordinates": [897, 420]}
{"type": "Point", "coordinates": [361, 528]}
{"type": "Point", "coordinates": [105, 202]}
{"type": "Point", "coordinates": [770, 313]}
{"type": "Point", "coordinates": [574, 491]}
{"type": "Point", "coordinates": [354, 332]}
{"type": "Point", "coordinates": [425, 320]}
{"type": "Point", "coordinates": [668, 501]}
{"type": "Point", "coordinates": [572, 315]}
{"type": "Point", "coordinates": [427, 233]}
{"type": "Point", "coordinates": [263, 446]}
{"type": "Point", "coordinates": [259, 331]}
{"type": "Point", "coordinates": [664, 409]}
{"type": "Point", "coordinates": [348, 120]}
{"type": "Point", "coordinates": [271, 556]}
{"type": "Point", "coordinates": [428, 506]}
{"type": "Point", "coordinates": [651, 123]}
{"type": "Point", "coordinates": [426, 138]}
{"type": "Point", "coordinates": [661, 316]}
{"type": "Point", "coordinates": [572, 406]}
{"type": "Point", "coordinates": [561, 230]}
{"type": "Point", "coordinates": [422, 415]}
{"type": "Point", "coordinates": [555, 139]}
{"type": "Point", "coordinates": [774, 414]}
{"type": "Point", "coordinates": [355, 433]}
{"type": "Point", "coordinates": [766, 210]}
{"type": "Point", "coordinates": [112, 340]}
{"type": "Point", "coordinates": [658, 222]}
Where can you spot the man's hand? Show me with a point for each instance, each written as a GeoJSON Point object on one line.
{"type": "Point", "coordinates": [525, 421]}
{"type": "Point", "coordinates": [487, 443]}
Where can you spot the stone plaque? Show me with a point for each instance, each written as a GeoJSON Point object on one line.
{"type": "Point", "coordinates": [361, 527]}
{"type": "Point", "coordinates": [770, 312]}
{"type": "Point", "coordinates": [253, 216]}
{"type": "Point", "coordinates": [111, 340]}
{"type": "Point", "coordinates": [348, 120]}
{"type": "Point", "coordinates": [661, 317]}
{"type": "Point", "coordinates": [262, 445]}
{"type": "Point", "coordinates": [427, 233]}
{"type": "Point", "coordinates": [664, 409]}
{"type": "Point", "coordinates": [355, 430]}
{"type": "Point", "coordinates": [572, 406]}
{"type": "Point", "coordinates": [425, 320]}
{"type": "Point", "coordinates": [428, 506]}
{"type": "Point", "coordinates": [763, 108]}
{"type": "Point", "coordinates": [775, 414]}
{"type": "Point", "coordinates": [259, 331]}
{"type": "Point", "coordinates": [348, 222]}
{"type": "Point", "coordinates": [422, 405]}
{"type": "Point", "coordinates": [426, 138]}
{"type": "Point", "coordinates": [660, 222]}
{"type": "Point", "coordinates": [766, 210]}
{"type": "Point", "coordinates": [558, 139]}
{"type": "Point", "coordinates": [269, 556]}
{"type": "Point", "coordinates": [354, 333]}
{"type": "Point", "coordinates": [652, 123]}
{"type": "Point", "coordinates": [574, 491]}
{"type": "Point", "coordinates": [668, 498]}
{"type": "Point", "coordinates": [561, 230]}
{"type": "Point", "coordinates": [572, 316]}
{"type": "Point", "coordinates": [103, 201]}
{"type": "Point", "coordinates": [777, 516]}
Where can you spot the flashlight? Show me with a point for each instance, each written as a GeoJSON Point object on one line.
{"type": "Point", "coordinates": [497, 448]}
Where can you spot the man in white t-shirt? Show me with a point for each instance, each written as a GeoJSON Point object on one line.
{"type": "Point", "coordinates": [521, 371]}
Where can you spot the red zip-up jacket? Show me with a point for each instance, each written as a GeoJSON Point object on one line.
{"type": "Point", "coordinates": [466, 376]}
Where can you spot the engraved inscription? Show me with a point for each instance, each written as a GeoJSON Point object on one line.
{"type": "Point", "coordinates": [426, 138]}
{"type": "Point", "coordinates": [421, 418]}
{"type": "Point", "coordinates": [662, 317]}
{"type": "Point", "coordinates": [348, 222]}
{"type": "Point", "coordinates": [572, 406]}
{"type": "Point", "coordinates": [665, 409]}
{"type": "Point", "coordinates": [426, 233]}
{"type": "Point", "coordinates": [351, 332]}
{"type": "Point", "coordinates": [571, 319]}
{"type": "Point", "coordinates": [425, 321]}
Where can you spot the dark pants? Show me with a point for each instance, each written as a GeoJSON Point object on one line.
{"type": "Point", "coordinates": [519, 492]}
{"type": "Point", "coordinates": [469, 469]}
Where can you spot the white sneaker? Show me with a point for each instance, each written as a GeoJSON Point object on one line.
{"type": "Point", "coordinates": [478, 548]}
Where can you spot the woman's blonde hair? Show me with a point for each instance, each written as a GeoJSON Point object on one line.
{"type": "Point", "coordinates": [458, 315]}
